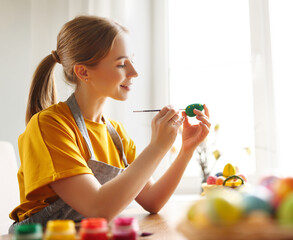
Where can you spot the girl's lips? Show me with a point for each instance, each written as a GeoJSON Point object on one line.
{"type": "Point", "coordinates": [125, 87]}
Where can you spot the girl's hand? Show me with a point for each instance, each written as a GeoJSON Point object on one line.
{"type": "Point", "coordinates": [193, 135]}
{"type": "Point", "coordinates": [165, 126]}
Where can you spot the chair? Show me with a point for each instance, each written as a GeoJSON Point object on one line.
{"type": "Point", "coordinates": [8, 185]}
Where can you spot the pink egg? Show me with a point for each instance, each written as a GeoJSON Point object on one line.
{"type": "Point", "coordinates": [211, 180]}
{"type": "Point", "coordinates": [243, 177]}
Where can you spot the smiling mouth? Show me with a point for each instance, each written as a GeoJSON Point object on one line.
{"type": "Point", "coordinates": [125, 86]}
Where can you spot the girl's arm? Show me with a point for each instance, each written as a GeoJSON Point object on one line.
{"type": "Point", "coordinates": [154, 195]}
{"type": "Point", "coordinates": [85, 194]}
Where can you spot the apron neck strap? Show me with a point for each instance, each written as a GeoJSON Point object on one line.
{"type": "Point", "coordinates": [75, 110]}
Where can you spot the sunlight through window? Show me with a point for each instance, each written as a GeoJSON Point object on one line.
{"type": "Point", "coordinates": [210, 63]}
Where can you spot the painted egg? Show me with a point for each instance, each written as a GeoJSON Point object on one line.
{"type": "Point", "coordinates": [211, 180]}
{"type": "Point", "coordinates": [219, 174]}
{"type": "Point", "coordinates": [252, 203]}
{"type": "Point", "coordinates": [269, 181]}
{"type": "Point", "coordinates": [197, 214]}
{"type": "Point", "coordinates": [233, 181]}
{"type": "Point", "coordinates": [243, 177]}
{"type": "Point", "coordinates": [285, 211]}
{"type": "Point", "coordinates": [225, 208]}
{"type": "Point", "coordinates": [189, 109]}
{"type": "Point", "coordinates": [220, 180]}
{"type": "Point", "coordinates": [229, 170]}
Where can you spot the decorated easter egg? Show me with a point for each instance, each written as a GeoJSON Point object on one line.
{"type": "Point", "coordinates": [283, 187]}
{"type": "Point", "coordinates": [220, 180]}
{"type": "Point", "coordinates": [219, 174]}
{"type": "Point", "coordinates": [225, 207]}
{"type": "Point", "coordinates": [233, 181]}
{"type": "Point", "coordinates": [243, 177]}
{"type": "Point", "coordinates": [211, 180]}
{"type": "Point", "coordinates": [189, 109]}
{"type": "Point", "coordinates": [269, 181]}
{"type": "Point", "coordinates": [285, 211]}
{"type": "Point", "coordinates": [197, 214]}
{"type": "Point", "coordinates": [253, 203]}
{"type": "Point", "coordinates": [229, 170]}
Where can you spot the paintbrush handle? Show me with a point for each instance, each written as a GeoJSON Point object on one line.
{"type": "Point", "coordinates": [153, 110]}
{"type": "Point", "coordinates": [150, 110]}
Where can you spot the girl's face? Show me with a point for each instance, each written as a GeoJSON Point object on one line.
{"type": "Point", "coordinates": [112, 76]}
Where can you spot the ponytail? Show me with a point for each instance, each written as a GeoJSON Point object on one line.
{"type": "Point", "coordinates": [83, 40]}
{"type": "Point", "coordinates": [43, 90]}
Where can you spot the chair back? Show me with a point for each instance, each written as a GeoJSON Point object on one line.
{"type": "Point", "coordinates": [9, 192]}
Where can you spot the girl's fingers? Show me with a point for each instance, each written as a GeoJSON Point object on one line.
{"type": "Point", "coordinates": [162, 113]}
{"type": "Point", "coordinates": [204, 120]}
{"type": "Point", "coordinates": [186, 122]}
{"type": "Point", "coordinates": [175, 117]}
{"type": "Point", "coordinates": [206, 111]}
{"type": "Point", "coordinates": [205, 128]}
{"type": "Point", "coordinates": [197, 112]}
{"type": "Point", "coordinates": [179, 122]}
{"type": "Point", "coordinates": [172, 113]}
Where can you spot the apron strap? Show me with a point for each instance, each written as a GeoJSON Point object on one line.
{"type": "Point", "coordinates": [117, 140]}
{"type": "Point", "coordinates": [72, 104]}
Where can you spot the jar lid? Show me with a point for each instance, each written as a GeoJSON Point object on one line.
{"type": "Point", "coordinates": [28, 228]}
{"type": "Point", "coordinates": [60, 226]}
{"type": "Point", "coordinates": [125, 221]}
{"type": "Point", "coordinates": [93, 223]}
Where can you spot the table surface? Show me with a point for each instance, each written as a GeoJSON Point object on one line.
{"type": "Point", "coordinates": [162, 225]}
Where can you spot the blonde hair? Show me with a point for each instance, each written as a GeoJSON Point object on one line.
{"type": "Point", "coordinates": [83, 40]}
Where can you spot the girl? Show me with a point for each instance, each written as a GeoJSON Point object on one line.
{"type": "Point", "coordinates": [75, 162]}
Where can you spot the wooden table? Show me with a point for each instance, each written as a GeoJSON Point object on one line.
{"type": "Point", "coordinates": [162, 225]}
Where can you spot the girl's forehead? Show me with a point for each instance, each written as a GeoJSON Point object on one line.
{"type": "Point", "coordinates": [121, 46]}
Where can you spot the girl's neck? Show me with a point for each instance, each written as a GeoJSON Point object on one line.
{"type": "Point", "coordinates": [90, 107]}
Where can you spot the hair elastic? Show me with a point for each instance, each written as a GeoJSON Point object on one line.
{"type": "Point", "coordinates": [55, 56]}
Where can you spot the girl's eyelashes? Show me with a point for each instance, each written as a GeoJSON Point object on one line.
{"type": "Point", "coordinates": [121, 66]}
{"type": "Point", "coordinates": [127, 61]}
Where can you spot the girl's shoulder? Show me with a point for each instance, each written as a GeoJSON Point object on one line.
{"type": "Point", "coordinates": [59, 114]}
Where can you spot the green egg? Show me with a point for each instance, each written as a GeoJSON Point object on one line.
{"type": "Point", "coordinates": [189, 109]}
{"type": "Point", "coordinates": [285, 211]}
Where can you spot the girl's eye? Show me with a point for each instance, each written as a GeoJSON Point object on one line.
{"type": "Point", "coordinates": [122, 66]}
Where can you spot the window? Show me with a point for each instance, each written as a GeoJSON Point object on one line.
{"type": "Point", "coordinates": [236, 57]}
{"type": "Point", "coordinates": [281, 19]}
{"type": "Point", "coordinates": [210, 62]}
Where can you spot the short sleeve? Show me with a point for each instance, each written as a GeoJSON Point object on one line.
{"type": "Point", "coordinates": [50, 150]}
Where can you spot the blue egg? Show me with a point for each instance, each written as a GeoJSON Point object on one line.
{"type": "Point", "coordinates": [253, 203]}
{"type": "Point", "coordinates": [219, 174]}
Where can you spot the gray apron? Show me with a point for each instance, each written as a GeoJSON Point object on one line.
{"type": "Point", "coordinates": [102, 171]}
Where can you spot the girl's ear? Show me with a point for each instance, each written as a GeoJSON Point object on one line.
{"type": "Point", "coordinates": [81, 72]}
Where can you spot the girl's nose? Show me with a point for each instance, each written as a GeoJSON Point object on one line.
{"type": "Point", "coordinates": [132, 72]}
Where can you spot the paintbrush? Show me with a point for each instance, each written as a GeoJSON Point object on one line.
{"type": "Point", "coordinates": [188, 109]}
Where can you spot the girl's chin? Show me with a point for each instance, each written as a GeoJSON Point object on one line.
{"type": "Point", "coordinates": [121, 98]}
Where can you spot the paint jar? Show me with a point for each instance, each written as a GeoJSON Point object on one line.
{"type": "Point", "coordinates": [93, 229]}
{"type": "Point", "coordinates": [125, 229]}
{"type": "Point", "coordinates": [60, 230]}
{"type": "Point", "coordinates": [33, 231]}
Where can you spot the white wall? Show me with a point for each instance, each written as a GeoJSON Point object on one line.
{"type": "Point", "coordinates": [29, 30]}
{"type": "Point", "coordinates": [15, 51]}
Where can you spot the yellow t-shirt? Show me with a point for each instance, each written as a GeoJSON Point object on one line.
{"type": "Point", "coordinates": [52, 148]}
